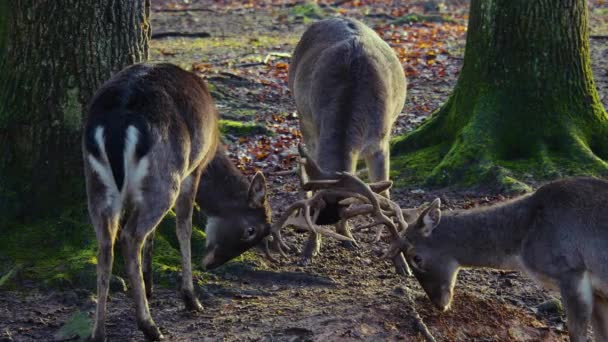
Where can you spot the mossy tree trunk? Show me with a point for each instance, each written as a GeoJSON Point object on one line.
{"type": "Point", "coordinates": [56, 55]}
{"type": "Point", "coordinates": [525, 104]}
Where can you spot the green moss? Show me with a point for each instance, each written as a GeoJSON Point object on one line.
{"type": "Point", "coordinates": [496, 131]}
{"type": "Point", "coordinates": [238, 128]}
{"type": "Point", "coordinates": [78, 327]}
{"type": "Point", "coordinates": [413, 168]}
{"type": "Point", "coordinates": [241, 112]}
{"type": "Point", "coordinates": [308, 10]}
{"type": "Point", "coordinates": [62, 253]}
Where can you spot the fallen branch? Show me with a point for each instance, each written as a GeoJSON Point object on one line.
{"type": "Point", "coordinates": [420, 325]}
{"type": "Point", "coordinates": [284, 173]}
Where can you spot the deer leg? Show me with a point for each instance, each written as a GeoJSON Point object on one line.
{"type": "Point", "coordinates": [141, 222]}
{"type": "Point", "coordinates": [343, 228]}
{"type": "Point", "coordinates": [577, 296]}
{"type": "Point", "coordinates": [311, 249]}
{"type": "Point", "coordinates": [600, 318]}
{"type": "Point", "coordinates": [147, 267]}
{"type": "Point", "coordinates": [183, 208]}
{"type": "Point", "coordinates": [378, 164]}
{"type": "Point", "coordinates": [401, 266]}
{"type": "Point", "coordinates": [105, 230]}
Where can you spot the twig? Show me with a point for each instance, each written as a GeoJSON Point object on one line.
{"type": "Point", "coordinates": [160, 35]}
{"type": "Point", "coordinates": [598, 37]}
{"type": "Point", "coordinates": [381, 16]}
{"type": "Point", "coordinates": [340, 2]}
{"type": "Point", "coordinates": [420, 325]}
{"type": "Point", "coordinates": [276, 54]}
{"type": "Point", "coordinates": [249, 65]}
{"type": "Point", "coordinates": [284, 173]}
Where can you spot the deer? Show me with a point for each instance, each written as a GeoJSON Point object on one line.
{"type": "Point", "coordinates": [237, 211]}
{"type": "Point", "coordinates": [349, 87]}
{"type": "Point", "coordinates": [558, 236]}
{"type": "Point", "coordinates": [150, 132]}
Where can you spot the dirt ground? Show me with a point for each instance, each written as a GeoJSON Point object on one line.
{"type": "Point", "coordinates": [346, 295]}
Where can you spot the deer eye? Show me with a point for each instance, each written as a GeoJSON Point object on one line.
{"type": "Point", "coordinates": [417, 261]}
{"type": "Point", "coordinates": [250, 231]}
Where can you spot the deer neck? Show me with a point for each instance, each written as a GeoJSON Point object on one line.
{"type": "Point", "coordinates": [489, 237]}
{"type": "Point", "coordinates": [222, 188]}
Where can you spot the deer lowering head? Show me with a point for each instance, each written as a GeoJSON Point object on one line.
{"type": "Point", "coordinates": [150, 132]}
{"type": "Point", "coordinates": [558, 236]}
{"type": "Point", "coordinates": [238, 212]}
{"type": "Point", "coordinates": [349, 87]}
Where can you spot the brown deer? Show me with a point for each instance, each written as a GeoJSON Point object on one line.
{"type": "Point", "coordinates": [558, 235]}
{"type": "Point", "coordinates": [349, 87]}
{"type": "Point", "coordinates": [237, 210]}
{"type": "Point", "coordinates": [150, 132]}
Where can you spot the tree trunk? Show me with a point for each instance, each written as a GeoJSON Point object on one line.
{"type": "Point", "coordinates": [57, 54]}
{"type": "Point", "coordinates": [525, 104]}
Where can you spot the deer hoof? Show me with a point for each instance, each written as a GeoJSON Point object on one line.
{"type": "Point", "coordinates": [349, 245]}
{"type": "Point", "coordinates": [305, 261]}
{"type": "Point", "coordinates": [97, 336]}
{"type": "Point", "coordinates": [151, 331]}
{"type": "Point", "coordinates": [191, 302]}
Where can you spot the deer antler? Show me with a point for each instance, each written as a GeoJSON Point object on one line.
{"type": "Point", "coordinates": [354, 190]}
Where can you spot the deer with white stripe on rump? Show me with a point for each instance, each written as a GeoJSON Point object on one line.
{"type": "Point", "coordinates": [349, 88]}
{"type": "Point", "coordinates": [150, 132]}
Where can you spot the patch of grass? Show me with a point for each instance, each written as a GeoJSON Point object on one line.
{"type": "Point", "coordinates": [308, 10]}
{"type": "Point", "coordinates": [62, 252]}
{"type": "Point", "coordinates": [181, 51]}
{"type": "Point", "coordinates": [238, 128]}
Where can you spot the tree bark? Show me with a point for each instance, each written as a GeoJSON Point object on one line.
{"type": "Point", "coordinates": [525, 103]}
{"type": "Point", "coordinates": [57, 53]}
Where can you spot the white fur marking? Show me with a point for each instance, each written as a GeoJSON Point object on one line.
{"type": "Point", "coordinates": [211, 229]}
{"type": "Point", "coordinates": [586, 290]}
{"type": "Point", "coordinates": [134, 171]}
{"type": "Point", "coordinates": [103, 170]}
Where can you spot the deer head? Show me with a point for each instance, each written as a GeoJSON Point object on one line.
{"type": "Point", "coordinates": [435, 271]}
{"type": "Point", "coordinates": [235, 230]}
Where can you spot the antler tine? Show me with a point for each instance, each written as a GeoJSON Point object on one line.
{"type": "Point", "coordinates": [313, 170]}
{"type": "Point", "coordinates": [354, 184]}
{"type": "Point", "coordinates": [305, 215]}
{"type": "Point", "coordinates": [378, 187]}
{"type": "Point", "coordinates": [379, 206]}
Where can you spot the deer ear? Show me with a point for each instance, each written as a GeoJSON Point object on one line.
{"type": "Point", "coordinates": [430, 218]}
{"type": "Point", "coordinates": [257, 191]}
{"type": "Point", "coordinates": [411, 215]}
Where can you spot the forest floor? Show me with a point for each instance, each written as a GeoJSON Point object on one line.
{"type": "Point", "coordinates": [345, 294]}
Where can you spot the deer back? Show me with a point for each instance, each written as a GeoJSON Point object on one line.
{"type": "Point", "coordinates": [348, 86]}
{"type": "Point", "coordinates": [167, 110]}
